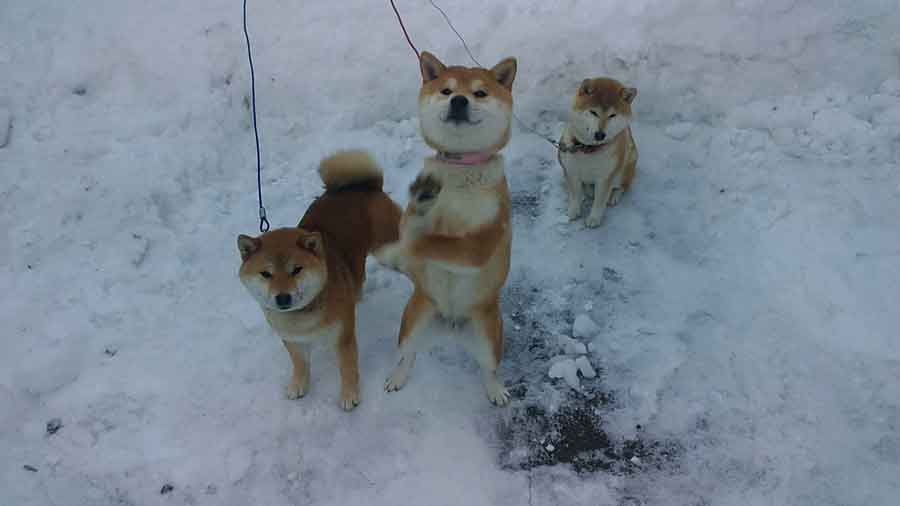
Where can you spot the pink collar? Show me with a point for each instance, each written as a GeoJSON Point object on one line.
{"type": "Point", "coordinates": [467, 159]}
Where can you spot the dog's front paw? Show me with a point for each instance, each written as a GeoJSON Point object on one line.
{"type": "Point", "coordinates": [423, 194]}
{"type": "Point", "coordinates": [593, 220]}
{"type": "Point", "coordinates": [614, 197]}
{"type": "Point", "coordinates": [574, 211]}
{"type": "Point", "coordinates": [296, 389]}
{"type": "Point", "coordinates": [398, 377]}
{"type": "Point", "coordinates": [497, 393]}
{"type": "Point", "coordinates": [349, 398]}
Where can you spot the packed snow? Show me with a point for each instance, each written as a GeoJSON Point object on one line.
{"type": "Point", "coordinates": [567, 370]}
{"type": "Point", "coordinates": [731, 329]}
{"type": "Point", "coordinates": [571, 346]}
{"type": "Point", "coordinates": [584, 327]}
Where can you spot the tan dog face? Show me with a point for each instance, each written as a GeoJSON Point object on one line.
{"type": "Point", "coordinates": [601, 110]}
{"type": "Point", "coordinates": [465, 110]}
{"type": "Point", "coordinates": [283, 269]}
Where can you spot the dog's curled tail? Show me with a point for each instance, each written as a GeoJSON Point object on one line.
{"type": "Point", "coordinates": [348, 169]}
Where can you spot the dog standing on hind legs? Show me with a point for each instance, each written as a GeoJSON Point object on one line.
{"type": "Point", "coordinates": [597, 148]}
{"type": "Point", "coordinates": [455, 234]}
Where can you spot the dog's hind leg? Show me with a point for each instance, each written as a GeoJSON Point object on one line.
{"type": "Point", "coordinates": [418, 314]}
{"type": "Point", "coordinates": [486, 347]}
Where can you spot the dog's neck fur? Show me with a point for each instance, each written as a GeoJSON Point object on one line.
{"type": "Point", "coordinates": [466, 176]}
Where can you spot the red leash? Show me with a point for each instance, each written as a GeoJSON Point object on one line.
{"type": "Point", "coordinates": [403, 27]}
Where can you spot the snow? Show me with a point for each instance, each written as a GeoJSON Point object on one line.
{"type": "Point", "coordinates": [571, 346]}
{"type": "Point", "coordinates": [680, 130]}
{"type": "Point", "coordinates": [567, 370]}
{"type": "Point", "coordinates": [5, 126]}
{"type": "Point", "coordinates": [585, 368]}
{"type": "Point", "coordinates": [746, 287]}
{"type": "Point", "coordinates": [584, 327]}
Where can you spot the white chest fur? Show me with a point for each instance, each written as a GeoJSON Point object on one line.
{"type": "Point", "coordinates": [470, 198]}
{"type": "Point", "coordinates": [300, 327]}
{"type": "Point", "coordinates": [467, 199]}
{"type": "Point", "coordinates": [454, 292]}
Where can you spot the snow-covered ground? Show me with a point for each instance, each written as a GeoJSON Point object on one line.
{"type": "Point", "coordinates": [739, 306]}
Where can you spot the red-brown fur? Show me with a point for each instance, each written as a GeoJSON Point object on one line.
{"type": "Point", "coordinates": [341, 227]}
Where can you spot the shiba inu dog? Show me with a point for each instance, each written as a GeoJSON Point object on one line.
{"type": "Point", "coordinates": [455, 233]}
{"type": "Point", "coordinates": [596, 147]}
{"type": "Point", "coordinates": [307, 279]}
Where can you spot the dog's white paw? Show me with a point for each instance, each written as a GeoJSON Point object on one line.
{"type": "Point", "coordinates": [349, 399]}
{"type": "Point", "coordinates": [614, 197]}
{"type": "Point", "coordinates": [497, 393]}
{"type": "Point", "coordinates": [398, 377]}
{"type": "Point", "coordinates": [593, 220]}
{"type": "Point", "coordinates": [296, 390]}
{"type": "Point", "coordinates": [574, 211]}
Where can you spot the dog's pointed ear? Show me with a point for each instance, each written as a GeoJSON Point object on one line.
{"type": "Point", "coordinates": [628, 94]}
{"type": "Point", "coordinates": [311, 241]}
{"type": "Point", "coordinates": [247, 245]}
{"type": "Point", "coordinates": [585, 88]}
{"type": "Point", "coordinates": [505, 72]}
{"type": "Point", "coordinates": [431, 66]}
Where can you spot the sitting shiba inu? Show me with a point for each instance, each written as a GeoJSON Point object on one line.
{"type": "Point", "coordinates": [456, 234]}
{"type": "Point", "coordinates": [308, 279]}
{"type": "Point", "coordinates": [596, 147]}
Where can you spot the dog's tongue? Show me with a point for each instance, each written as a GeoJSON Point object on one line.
{"type": "Point", "coordinates": [476, 158]}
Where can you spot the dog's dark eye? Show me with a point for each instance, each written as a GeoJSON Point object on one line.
{"type": "Point", "coordinates": [595, 113]}
{"type": "Point", "coordinates": [266, 274]}
{"type": "Point", "coordinates": [446, 91]}
{"type": "Point", "coordinates": [296, 270]}
{"type": "Point", "coordinates": [613, 115]}
{"type": "Point", "coordinates": [480, 94]}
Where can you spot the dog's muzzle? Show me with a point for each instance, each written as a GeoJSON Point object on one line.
{"type": "Point", "coordinates": [459, 109]}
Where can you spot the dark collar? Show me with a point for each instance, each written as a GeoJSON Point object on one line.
{"type": "Point", "coordinates": [573, 146]}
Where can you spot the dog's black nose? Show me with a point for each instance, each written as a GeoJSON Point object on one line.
{"type": "Point", "coordinates": [459, 109]}
{"type": "Point", "coordinates": [283, 300]}
{"type": "Point", "coordinates": [600, 135]}
{"type": "Point", "coordinates": [458, 103]}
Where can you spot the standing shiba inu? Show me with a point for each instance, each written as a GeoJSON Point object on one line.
{"type": "Point", "coordinates": [596, 148]}
{"type": "Point", "coordinates": [308, 279]}
{"type": "Point", "coordinates": [456, 234]}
